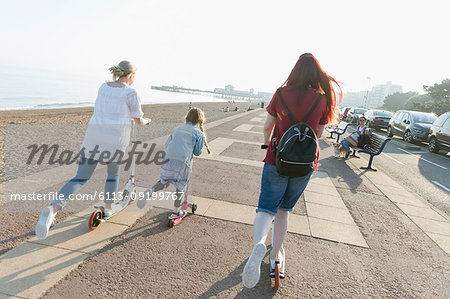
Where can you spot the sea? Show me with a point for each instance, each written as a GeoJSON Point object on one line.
{"type": "Point", "coordinates": [25, 88]}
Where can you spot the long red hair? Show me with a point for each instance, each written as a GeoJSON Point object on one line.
{"type": "Point", "coordinates": [307, 73]}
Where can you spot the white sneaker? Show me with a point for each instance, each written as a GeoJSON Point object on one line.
{"type": "Point", "coordinates": [115, 209]}
{"type": "Point", "coordinates": [147, 195]}
{"type": "Point", "coordinates": [45, 221]}
{"type": "Point", "coordinates": [252, 271]}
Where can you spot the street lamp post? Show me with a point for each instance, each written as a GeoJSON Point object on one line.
{"type": "Point", "coordinates": [366, 98]}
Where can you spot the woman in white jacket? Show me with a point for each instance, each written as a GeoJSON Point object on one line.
{"type": "Point", "coordinates": [105, 141]}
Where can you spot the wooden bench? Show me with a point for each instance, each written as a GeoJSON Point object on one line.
{"type": "Point", "coordinates": [376, 146]}
{"type": "Point", "coordinates": [338, 130]}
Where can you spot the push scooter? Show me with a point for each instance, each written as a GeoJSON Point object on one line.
{"type": "Point", "coordinates": [280, 267]}
{"type": "Point", "coordinates": [174, 219]}
{"type": "Point", "coordinates": [128, 194]}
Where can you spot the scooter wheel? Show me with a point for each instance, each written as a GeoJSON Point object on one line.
{"type": "Point", "coordinates": [94, 220]}
{"type": "Point", "coordinates": [194, 208]}
{"type": "Point", "coordinates": [277, 276]}
{"type": "Point", "coordinates": [170, 223]}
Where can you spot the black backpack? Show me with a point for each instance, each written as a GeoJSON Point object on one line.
{"type": "Point", "coordinates": [296, 151]}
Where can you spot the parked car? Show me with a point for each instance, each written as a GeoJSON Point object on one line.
{"type": "Point", "coordinates": [411, 125]}
{"type": "Point", "coordinates": [439, 136]}
{"type": "Point", "coordinates": [377, 119]}
{"type": "Point", "coordinates": [353, 114]}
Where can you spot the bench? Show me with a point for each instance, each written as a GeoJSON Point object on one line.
{"type": "Point", "coordinates": [376, 146]}
{"type": "Point", "coordinates": [338, 130]}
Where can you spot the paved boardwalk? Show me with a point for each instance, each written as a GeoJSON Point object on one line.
{"type": "Point", "coordinates": [225, 186]}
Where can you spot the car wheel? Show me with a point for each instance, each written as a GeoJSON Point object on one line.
{"type": "Point", "coordinates": [389, 132]}
{"type": "Point", "coordinates": [432, 146]}
{"type": "Point", "coordinates": [407, 136]}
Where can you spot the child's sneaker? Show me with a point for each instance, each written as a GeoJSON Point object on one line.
{"type": "Point", "coordinates": [143, 200]}
{"type": "Point", "coordinates": [178, 214]}
{"type": "Point", "coordinates": [252, 271]}
{"type": "Point", "coordinates": [45, 221]}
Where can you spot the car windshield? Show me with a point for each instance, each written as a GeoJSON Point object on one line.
{"type": "Point", "coordinates": [359, 111]}
{"type": "Point", "coordinates": [424, 117]}
{"type": "Point", "coordinates": [383, 113]}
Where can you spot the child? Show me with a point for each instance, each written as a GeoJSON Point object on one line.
{"type": "Point", "coordinates": [184, 142]}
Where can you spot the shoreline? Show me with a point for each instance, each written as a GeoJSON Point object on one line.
{"type": "Point", "coordinates": [91, 105]}
{"type": "Point", "coordinates": [7, 115]}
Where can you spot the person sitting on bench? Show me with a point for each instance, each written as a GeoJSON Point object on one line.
{"type": "Point", "coordinates": [343, 148]}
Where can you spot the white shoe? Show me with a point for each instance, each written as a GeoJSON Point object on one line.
{"type": "Point", "coordinates": [115, 209]}
{"type": "Point", "coordinates": [45, 221]}
{"type": "Point", "coordinates": [147, 195]}
{"type": "Point", "coordinates": [252, 271]}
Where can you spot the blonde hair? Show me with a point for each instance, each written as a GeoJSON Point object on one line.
{"type": "Point", "coordinates": [124, 68]}
{"type": "Point", "coordinates": [197, 118]}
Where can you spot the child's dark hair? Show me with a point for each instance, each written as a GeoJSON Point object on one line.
{"type": "Point", "coordinates": [197, 117]}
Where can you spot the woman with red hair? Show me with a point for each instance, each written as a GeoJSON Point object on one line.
{"type": "Point", "coordinates": [306, 84]}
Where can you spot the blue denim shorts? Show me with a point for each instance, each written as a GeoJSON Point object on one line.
{"type": "Point", "coordinates": [279, 192]}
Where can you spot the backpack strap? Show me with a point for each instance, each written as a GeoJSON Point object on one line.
{"type": "Point", "coordinates": [285, 107]}
{"type": "Point", "coordinates": [289, 113]}
{"type": "Point", "coordinates": [313, 107]}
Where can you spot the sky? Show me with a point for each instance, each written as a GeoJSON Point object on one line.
{"type": "Point", "coordinates": [246, 43]}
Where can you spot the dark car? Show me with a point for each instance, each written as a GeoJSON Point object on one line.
{"type": "Point", "coordinates": [411, 125]}
{"type": "Point", "coordinates": [353, 114]}
{"type": "Point", "coordinates": [439, 137]}
{"type": "Point", "coordinates": [377, 119]}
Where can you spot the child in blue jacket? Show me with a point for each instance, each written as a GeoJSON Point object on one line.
{"type": "Point", "coordinates": [184, 142]}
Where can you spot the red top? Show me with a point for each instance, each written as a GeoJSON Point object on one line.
{"type": "Point", "coordinates": [299, 103]}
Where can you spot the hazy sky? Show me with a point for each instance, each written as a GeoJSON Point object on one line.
{"type": "Point", "coordinates": [207, 44]}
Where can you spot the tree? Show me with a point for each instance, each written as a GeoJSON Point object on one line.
{"type": "Point", "coordinates": [418, 103]}
{"type": "Point", "coordinates": [397, 100]}
{"type": "Point", "coordinates": [440, 97]}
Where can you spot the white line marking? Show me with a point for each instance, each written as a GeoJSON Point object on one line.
{"type": "Point", "coordinates": [420, 158]}
{"type": "Point", "coordinates": [442, 186]}
{"type": "Point", "coordinates": [393, 159]}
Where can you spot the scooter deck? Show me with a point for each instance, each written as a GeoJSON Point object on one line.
{"type": "Point", "coordinates": [175, 219]}
{"type": "Point", "coordinates": [98, 216]}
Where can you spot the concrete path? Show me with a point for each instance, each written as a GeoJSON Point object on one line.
{"type": "Point", "coordinates": [432, 222]}
{"type": "Point", "coordinates": [33, 267]}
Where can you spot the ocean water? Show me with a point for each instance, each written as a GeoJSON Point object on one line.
{"type": "Point", "coordinates": [23, 88]}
